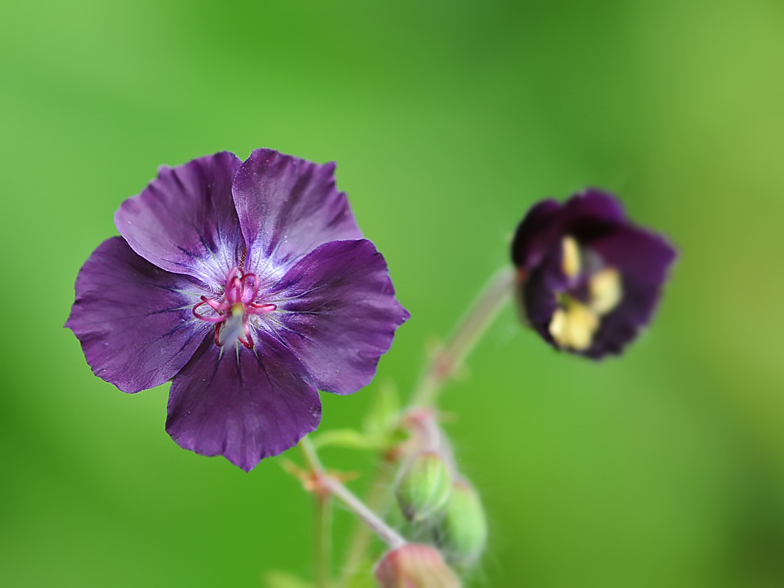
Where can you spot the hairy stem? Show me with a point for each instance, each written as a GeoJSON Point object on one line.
{"type": "Point", "coordinates": [377, 500]}
{"type": "Point", "coordinates": [469, 330]}
{"type": "Point", "coordinates": [387, 534]}
{"type": "Point", "coordinates": [311, 457]}
{"type": "Point", "coordinates": [322, 550]}
{"type": "Point", "coordinates": [323, 482]}
{"type": "Point", "coordinates": [322, 535]}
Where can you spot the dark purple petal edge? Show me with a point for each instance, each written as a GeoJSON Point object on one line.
{"type": "Point", "coordinates": [133, 319]}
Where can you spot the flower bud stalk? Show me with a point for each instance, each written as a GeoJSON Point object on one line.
{"type": "Point", "coordinates": [469, 330]}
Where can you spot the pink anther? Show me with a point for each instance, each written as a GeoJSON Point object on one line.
{"type": "Point", "coordinates": [215, 306]}
{"type": "Point", "coordinates": [260, 308]}
{"type": "Point", "coordinates": [239, 295]}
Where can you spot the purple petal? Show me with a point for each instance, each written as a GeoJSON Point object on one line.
{"type": "Point", "coordinates": [642, 256]}
{"type": "Point", "coordinates": [535, 234]}
{"type": "Point", "coordinates": [337, 311]}
{"type": "Point", "coordinates": [539, 304]}
{"type": "Point", "coordinates": [538, 294]}
{"type": "Point", "coordinates": [185, 221]}
{"type": "Point", "coordinates": [133, 319]}
{"type": "Point", "coordinates": [289, 206]}
{"type": "Point", "coordinates": [592, 205]}
{"type": "Point", "coordinates": [243, 404]}
{"type": "Point", "coordinates": [644, 259]}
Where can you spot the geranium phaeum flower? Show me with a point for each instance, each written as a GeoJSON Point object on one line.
{"type": "Point", "coordinates": [588, 278]}
{"type": "Point", "coordinates": [249, 285]}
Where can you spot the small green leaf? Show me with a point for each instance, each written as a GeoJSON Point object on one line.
{"type": "Point", "coordinates": [383, 413]}
{"type": "Point", "coordinates": [346, 438]}
{"type": "Point", "coordinates": [380, 430]}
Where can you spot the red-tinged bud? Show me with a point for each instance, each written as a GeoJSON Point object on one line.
{"type": "Point", "coordinates": [415, 566]}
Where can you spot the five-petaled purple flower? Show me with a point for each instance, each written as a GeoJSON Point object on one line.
{"type": "Point", "coordinates": [588, 279]}
{"type": "Point", "coordinates": [249, 285]}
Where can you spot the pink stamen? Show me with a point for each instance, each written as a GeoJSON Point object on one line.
{"type": "Point", "coordinates": [219, 306]}
{"type": "Point", "coordinates": [210, 319]}
{"type": "Point", "coordinates": [250, 288]}
{"type": "Point", "coordinates": [249, 342]}
{"type": "Point", "coordinates": [241, 290]}
{"type": "Point", "coordinates": [233, 285]}
{"type": "Point", "coordinates": [234, 273]}
{"type": "Point", "coordinates": [260, 308]}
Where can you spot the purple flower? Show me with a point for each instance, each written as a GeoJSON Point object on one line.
{"type": "Point", "coordinates": [588, 278]}
{"type": "Point", "coordinates": [249, 285]}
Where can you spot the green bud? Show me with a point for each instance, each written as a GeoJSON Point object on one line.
{"type": "Point", "coordinates": [463, 531]}
{"type": "Point", "coordinates": [424, 487]}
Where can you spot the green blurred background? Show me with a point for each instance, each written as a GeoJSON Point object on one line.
{"type": "Point", "coordinates": [447, 119]}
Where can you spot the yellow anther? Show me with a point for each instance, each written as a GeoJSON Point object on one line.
{"type": "Point", "coordinates": [570, 260]}
{"type": "Point", "coordinates": [558, 325]}
{"type": "Point", "coordinates": [606, 291]}
{"type": "Point", "coordinates": [574, 326]}
{"type": "Point", "coordinates": [581, 326]}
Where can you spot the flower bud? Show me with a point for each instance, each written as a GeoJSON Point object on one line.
{"type": "Point", "coordinates": [463, 531]}
{"type": "Point", "coordinates": [414, 566]}
{"type": "Point", "coordinates": [424, 487]}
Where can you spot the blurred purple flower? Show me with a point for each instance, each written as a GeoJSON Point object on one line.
{"type": "Point", "coordinates": [588, 278]}
{"type": "Point", "coordinates": [249, 285]}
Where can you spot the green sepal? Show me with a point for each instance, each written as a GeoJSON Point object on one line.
{"type": "Point", "coordinates": [424, 487]}
{"type": "Point", "coordinates": [462, 533]}
{"type": "Point", "coordinates": [348, 439]}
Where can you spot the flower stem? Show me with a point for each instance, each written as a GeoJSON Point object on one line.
{"type": "Point", "coordinates": [448, 358]}
{"type": "Point", "coordinates": [372, 520]}
{"type": "Point", "coordinates": [322, 550]}
{"type": "Point", "coordinates": [330, 484]}
{"type": "Point", "coordinates": [377, 499]}
{"type": "Point", "coordinates": [311, 457]}
{"type": "Point", "coordinates": [322, 534]}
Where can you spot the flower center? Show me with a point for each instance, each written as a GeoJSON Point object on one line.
{"type": "Point", "coordinates": [595, 292]}
{"type": "Point", "coordinates": [231, 309]}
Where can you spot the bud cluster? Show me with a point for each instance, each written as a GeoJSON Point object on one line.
{"type": "Point", "coordinates": [439, 505]}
